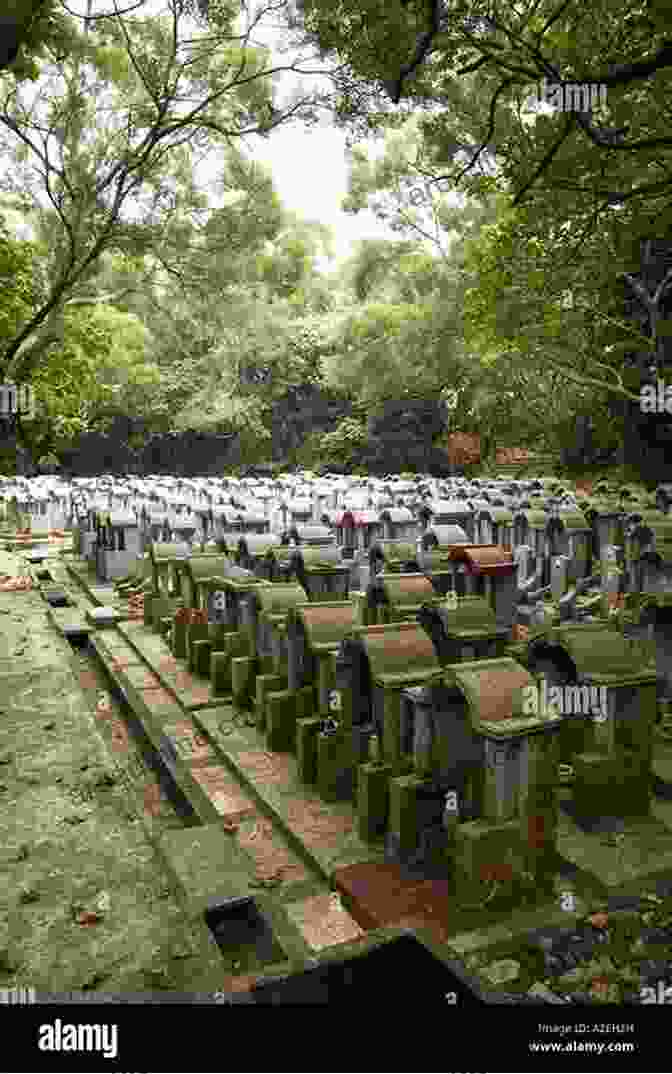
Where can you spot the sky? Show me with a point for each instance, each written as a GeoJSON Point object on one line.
{"type": "Point", "coordinates": [311, 177]}
{"type": "Point", "coordinates": [309, 165]}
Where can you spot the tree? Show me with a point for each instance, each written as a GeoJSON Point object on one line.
{"type": "Point", "coordinates": [19, 283]}
{"type": "Point", "coordinates": [114, 131]}
{"type": "Point", "coordinates": [473, 73]}
{"type": "Point", "coordinates": [30, 31]}
{"type": "Point", "coordinates": [587, 189]}
{"type": "Point", "coordinates": [100, 368]}
{"type": "Point", "coordinates": [566, 314]}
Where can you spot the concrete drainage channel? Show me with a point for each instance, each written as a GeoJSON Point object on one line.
{"type": "Point", "coordinates": [145, 762]}
{"type": "Point", "coordinates": [158, 759]}
{"type": "Point", "coordinates": [241, 933]}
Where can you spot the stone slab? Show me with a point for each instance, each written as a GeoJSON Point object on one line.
{"type": "Point", "coordinates": [206, 864]}
{"type": "Point", "coordinates": [323, 921]}
{"type": "Point", "coordinates": [142, 678]}
{"type": "Point", "coordinates": [276, 865]}
{"type": "Point", "coordinates": [641, 846]}
{"type": "Point", "coordinates": [547, 915]}
{"type": "Point", "coordinates": [191, 691]}
{"type": "Point", "coordinates": [381, 895]}
{"type": "Point", "coordinates": [231, 803]}
{"type": "Point", "coordinates": [325, 833]}
{"type": "Point", "coordinates": [117, 659]}
{"type": "Point", "coordinates": [159, 703]}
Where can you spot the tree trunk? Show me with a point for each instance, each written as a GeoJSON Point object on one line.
{"type": "Point", "coordinates": [647, 438]}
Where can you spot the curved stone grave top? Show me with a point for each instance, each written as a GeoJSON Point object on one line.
{"type": "Point", "coordinates": [472, 618]}
{"type": "Point", "coordinates": [315, 535]}
{"type": "Point", "coordinates": [203, 567]}
{"type": "Point", "coordinates": [164, 551]}
{"type": "Point", "coordinates": [484, 559]}
{"type": "Point", "coordinates": [298, 506]}
{"type": "Point", "coordinates": [600, 654]}
{"type": "Point", "coordinates": [325, 624]}
{"type": "Point", "coordinates": [319, 557]}
{"type": "Point", "coordinates": [493, 690]}
{"type": "Point", "coordinates": [396, 514]}
{"type": "Point", "coordinates": [257, 545]}
{"type": "Point", "coordinates": [448, 508]}
{"type": "Point", "coordinates": [356, 501]}
{"type": "Point", "coordinates": [277, 599]}
{"type": "Point", "coordinates": [236, 577]}
{"type": "Point", "coordinates": [399, 654]}
{"type": "Point", "coordinates": [394, 554]}
{"type": "Point", "coordinates": [402, 592]}
{"type": "Point", "coordinates": [123, 520]}
{"type": "Point", "coordinates": [444, 536]}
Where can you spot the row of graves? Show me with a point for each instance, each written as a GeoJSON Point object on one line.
{"type": "Point", "coordinates": [438, 654]}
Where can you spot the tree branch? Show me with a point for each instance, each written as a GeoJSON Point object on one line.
{"type": "Point", "coordinates": [423, 45]}
{"type": "Point", "coordinates": [546, 159]}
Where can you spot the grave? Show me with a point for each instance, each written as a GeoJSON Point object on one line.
{"type": "Point", "coordinates": [392, 717]}
{"type": "Point", "coordinates": [117, 545]}
{"type": "Point", "coordinates": [613, 775]}
{"type": "Point", "coordinates": [322, 572]}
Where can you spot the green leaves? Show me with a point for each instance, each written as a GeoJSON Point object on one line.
{"type": "Point", "coordinates": [340, 446]}
{"type": "Point", "coordinates": [19, 283]}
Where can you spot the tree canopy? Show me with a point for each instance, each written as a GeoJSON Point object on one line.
{"type": "Point", "coordinates": [523, 264]}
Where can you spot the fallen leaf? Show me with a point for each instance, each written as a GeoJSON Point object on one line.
{"type": "Point", "coordinates": [89, 917]}
{"type": "Point", "coordinates": [599, 920]}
